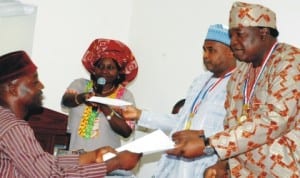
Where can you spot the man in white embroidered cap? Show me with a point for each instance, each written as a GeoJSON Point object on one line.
{"type": "Point", "coordinates": [262, 125]}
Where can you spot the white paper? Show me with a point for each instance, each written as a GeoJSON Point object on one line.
{"type": "Point", "coordinates": [109, 101]}
{"type": "Point", "coordinates": [154, 142]}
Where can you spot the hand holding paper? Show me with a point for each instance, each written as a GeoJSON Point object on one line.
{"type": "Point", "coordinates": [151, 143]}
{"type": "Point", "coordinates": [124, 160]}
{"type": "Point", "coordinates": [109, 101]}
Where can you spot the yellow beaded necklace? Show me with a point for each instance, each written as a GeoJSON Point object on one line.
{"type": "Point", "coordinates": [89, 124]}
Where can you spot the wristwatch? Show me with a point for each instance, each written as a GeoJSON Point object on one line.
{"type": "Point", "coordinates": [110, 115]}
{"type": "Point", "coordinates": [208, 149]}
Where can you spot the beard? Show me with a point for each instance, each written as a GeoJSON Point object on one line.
{"type": "Point", "coordinates": [35, 107]}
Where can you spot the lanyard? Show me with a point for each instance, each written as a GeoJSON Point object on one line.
{"type": "Point", "coordinates": [201, 96]}
{"type": "Point", "coordinates": [246, 106]}
{"type": "Point", "coordinates": [247, 97]}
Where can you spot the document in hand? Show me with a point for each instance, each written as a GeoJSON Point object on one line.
{"type": "Point", "coordinates": [151, 143]}
{"type": "Point", "coordinates": [109, 101]}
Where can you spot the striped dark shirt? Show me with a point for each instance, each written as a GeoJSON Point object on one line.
{"type": "Point", "coordinates": [21, 155]}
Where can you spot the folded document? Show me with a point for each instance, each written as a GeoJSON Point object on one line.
{"type": "Point", "coordinates": [109, 101]}
{"type": "Point", "coordinates": [154, 142]}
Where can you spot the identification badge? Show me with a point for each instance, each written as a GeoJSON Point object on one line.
{"type": "Point", "coordinates": [188, 124]}
{"type": "Point", "coordinates": [245, 113]}
{"type": "Point", "coordinates": [242, 118]}
{"type": "Point", "coordinates": [191, 115]}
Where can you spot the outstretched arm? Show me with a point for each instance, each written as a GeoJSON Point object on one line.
{"type": "Point", "coordinates": [188, 143]}
{"type": "Point", "coordinates": [125, 160]}
{"type": "Point", "coordinates": [116, 121]}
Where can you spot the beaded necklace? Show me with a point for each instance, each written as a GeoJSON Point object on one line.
{"type": "Point", "coordinates": [89, 124]}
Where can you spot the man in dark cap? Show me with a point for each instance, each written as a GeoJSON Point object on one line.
{"type": "Point", "coordinates": [20, 153]}
{"type": "Point", "coordinates": [262, 125]}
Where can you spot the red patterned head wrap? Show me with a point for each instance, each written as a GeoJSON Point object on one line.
{"type": "Point", "coordinates": [14, 65]}
{"type": "Point", "coordinates": [107, 48]}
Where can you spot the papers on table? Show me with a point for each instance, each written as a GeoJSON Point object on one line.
{"type": "Point", "coordinates": [109, 101]}
{"type": "Point", "coordinates": [154, 142]}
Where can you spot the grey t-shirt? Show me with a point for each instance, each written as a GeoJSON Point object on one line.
{"type": "Point", "coordinates": [103, 134]}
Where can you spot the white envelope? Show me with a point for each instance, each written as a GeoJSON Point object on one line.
{"type": "Point", "coordinates": [154, 142]}
{"type": "Point", "coordinates": [109, 101]}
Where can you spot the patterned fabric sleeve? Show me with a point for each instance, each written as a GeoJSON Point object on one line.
{"type": "Point", "coordinates": [267, 139]}
{"type": "Point", "coordinates": [274, 109]}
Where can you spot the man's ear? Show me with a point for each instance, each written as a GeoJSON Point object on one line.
{"type": "Point", "coordinates": [12, 88]}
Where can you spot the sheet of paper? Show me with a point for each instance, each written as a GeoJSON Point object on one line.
{"type": "Point", "coordinates": [154, 142]}
{"type": "Point", "coordinates": [109, 101]}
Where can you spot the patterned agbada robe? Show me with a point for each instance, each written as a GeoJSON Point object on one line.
{"type": "Point", "coordinates": [267, 144]}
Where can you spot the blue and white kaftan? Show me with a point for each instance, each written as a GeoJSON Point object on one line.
{"type": "Point", "coordinates": [209, 118]}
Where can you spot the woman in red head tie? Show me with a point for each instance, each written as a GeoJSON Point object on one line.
{"type": "Point", "coordinates": [112, 66]}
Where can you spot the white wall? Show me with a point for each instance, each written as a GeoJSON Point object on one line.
{"type": "Point", "coordinates": [64, 30]}
{"type": "Point", "coordinates": [167, 38]}
{"type": "Point", "coordinates": [165, 35]}
{"type": "Point", "coordinates": [18, 21]}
